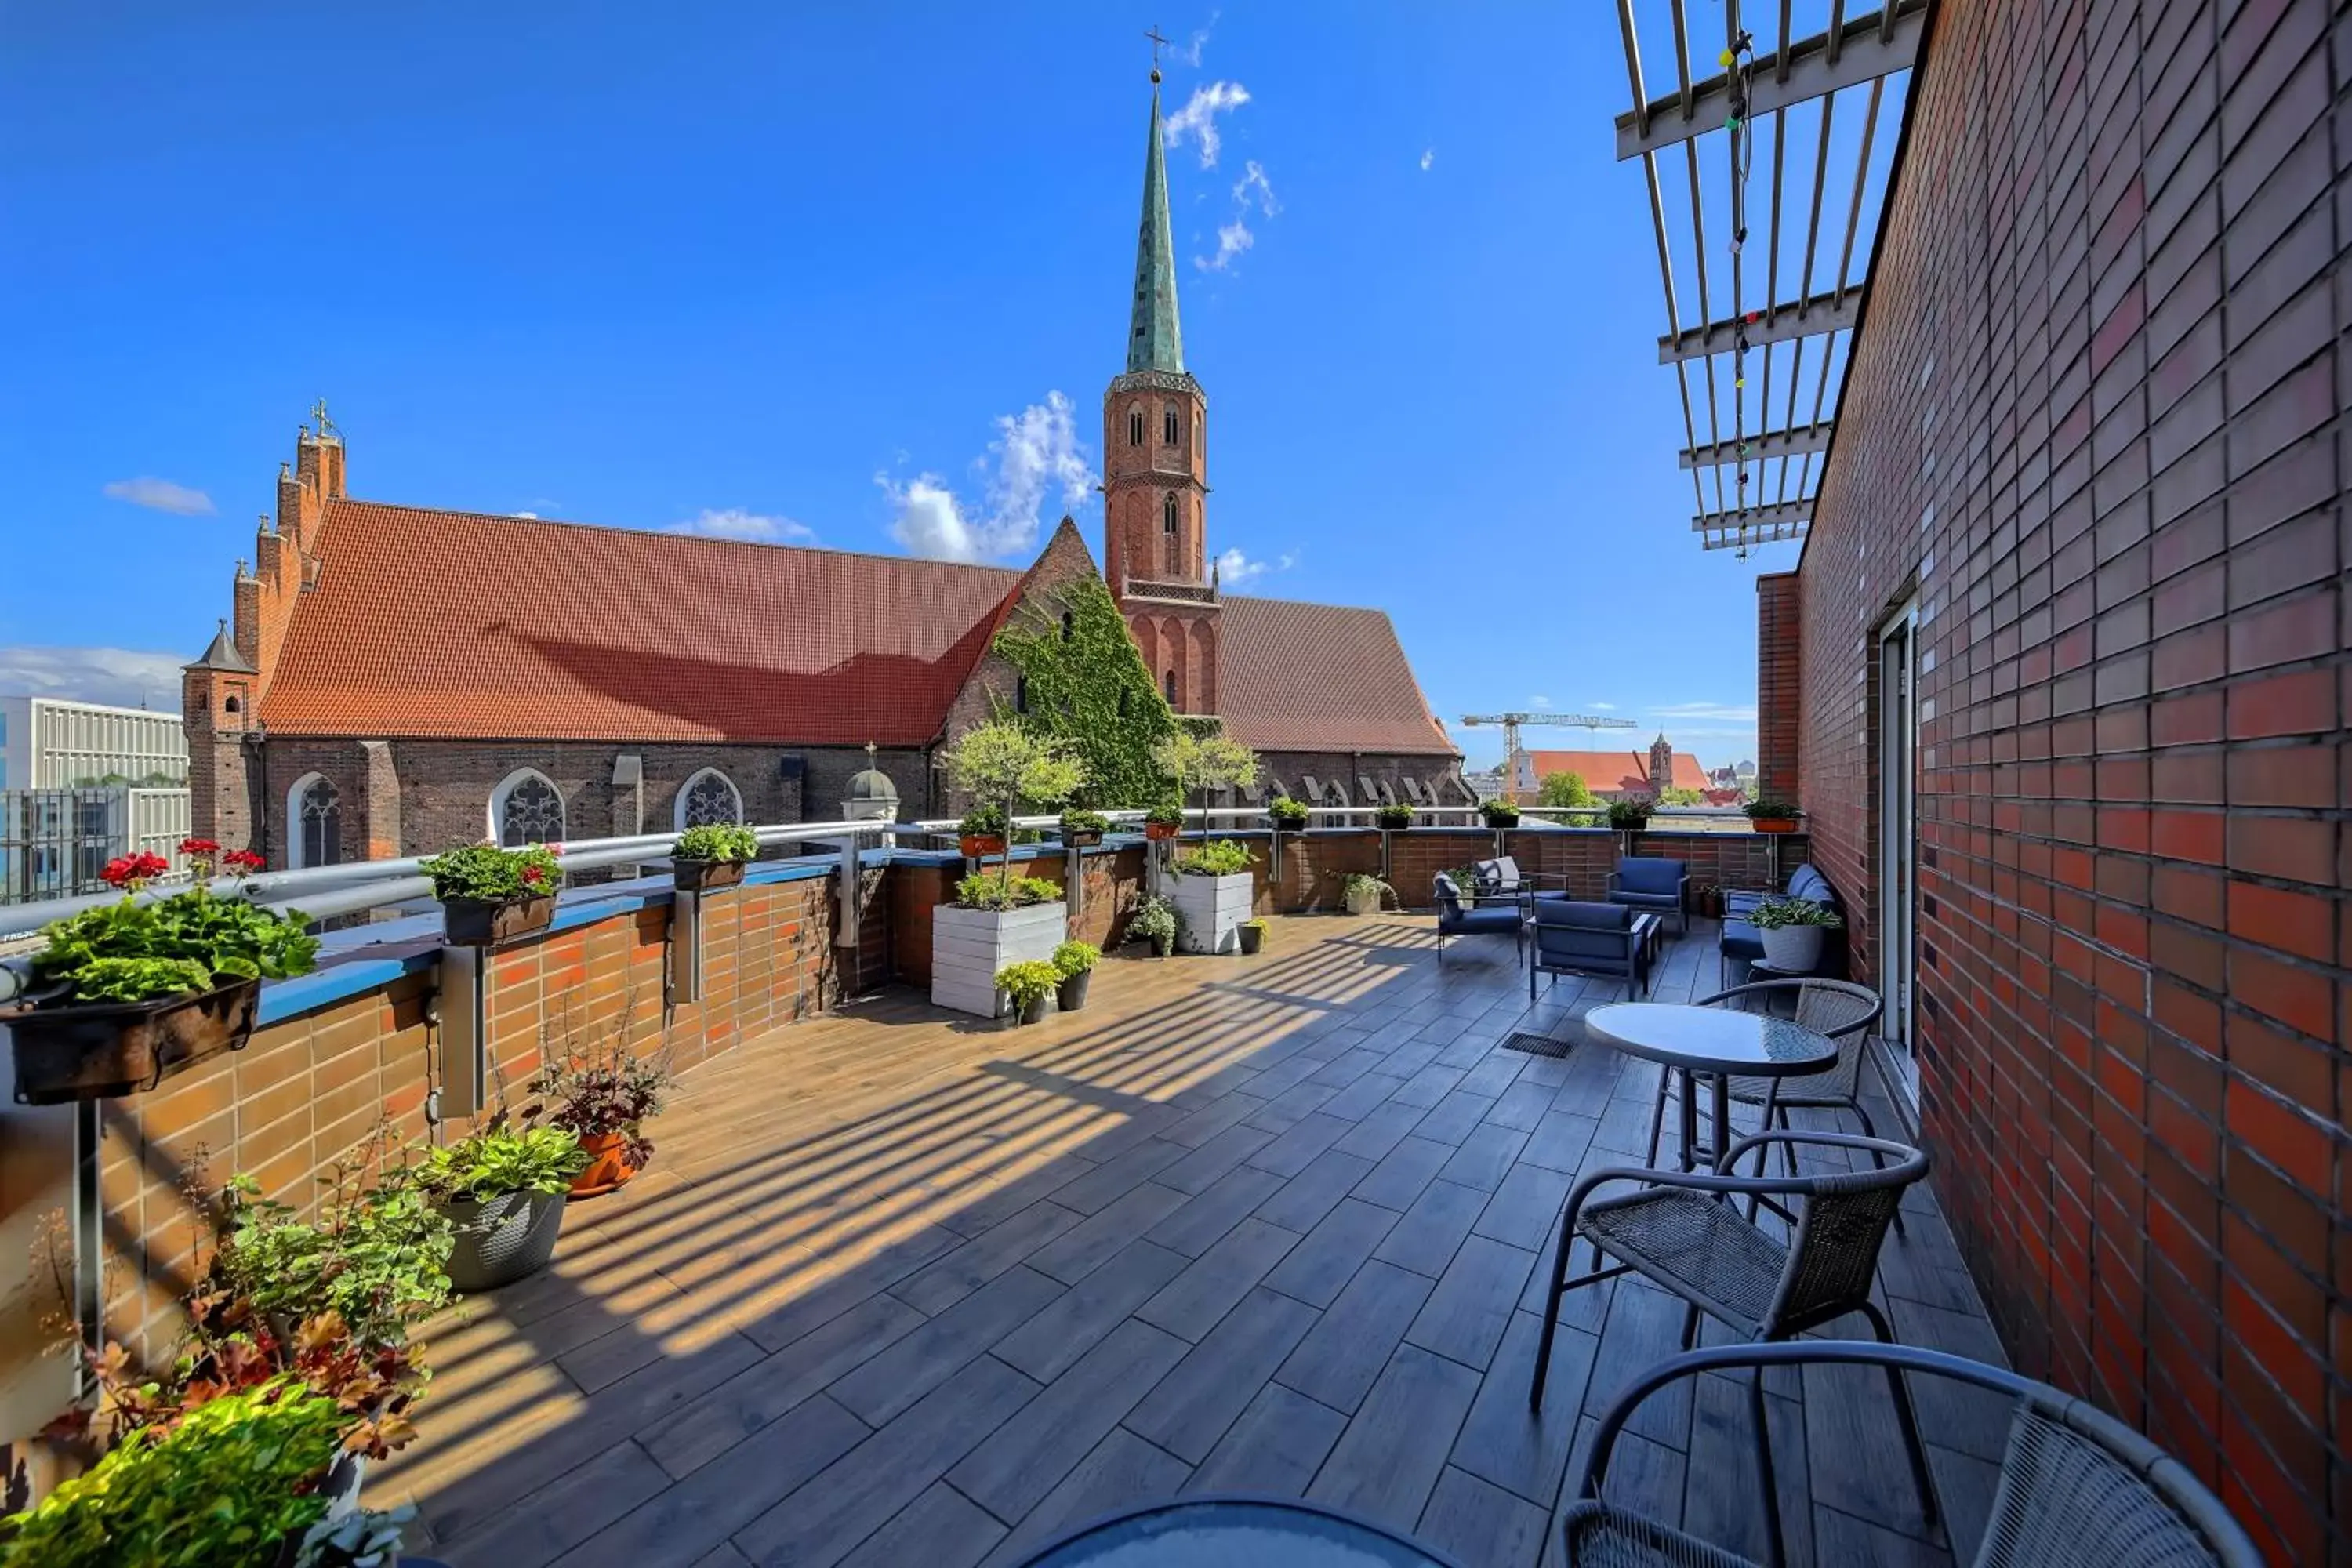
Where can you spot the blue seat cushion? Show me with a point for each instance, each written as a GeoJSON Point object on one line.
{"type": "Point", "coordinates": [1492, 920]}
{"type": "Point", "coordinates": [1741, 940]}
{"type": "Point", "coordinates": [1652, 876]}
{"type": "Point", "coordinates": [1808, 883]}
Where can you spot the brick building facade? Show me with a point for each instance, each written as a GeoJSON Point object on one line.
{"type": "Point", "coordinates": [2093, 434]}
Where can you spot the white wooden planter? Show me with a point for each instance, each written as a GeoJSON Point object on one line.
{"type": "Point", "coordinates": [1213, 909]}
{"type": "Point", "coordinates": [968, 946]}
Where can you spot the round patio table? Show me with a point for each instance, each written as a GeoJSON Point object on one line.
{"type": "Point", "coordinates": [1715, 1043]}
{"type": "Point", "coordinates": [1235, 1532]}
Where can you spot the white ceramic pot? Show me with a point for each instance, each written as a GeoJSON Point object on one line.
{"type": "Point", "coordinates": [1797, 949]}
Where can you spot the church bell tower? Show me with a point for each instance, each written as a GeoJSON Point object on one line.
{"type": "Point", "coordinates": [1155, 469]}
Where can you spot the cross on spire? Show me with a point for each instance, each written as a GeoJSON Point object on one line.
{"type": "Point", "coordinates": [1158, 43]}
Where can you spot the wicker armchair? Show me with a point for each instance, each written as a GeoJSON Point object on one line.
{"type": "Point", "coordinates": [2075, 1485]}
{"type": "Point", "coordinates": [1683, 1231]}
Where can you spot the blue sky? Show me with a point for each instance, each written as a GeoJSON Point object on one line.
{"type": "Point", "coordinates": [857, 275]}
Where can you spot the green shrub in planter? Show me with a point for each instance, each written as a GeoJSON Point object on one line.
{"type": "Point", "coordinates": [1630, 814]}
{"type": "Point", "coordinates": [1028, 985]}
{"type": "Point", "coordinates": [1499, 813]}
{"type": "Point", "coordinates": [986, 821]}
{"type": "Point", "coordinates": [1288, 815]}
{"type": "Point", "coordinates": [1169, 819]}
{"type": "Point", "coordinates": [1393, 817]}
{"type": "Point", "coordinates": [1075, 958]}
{"type": "Point", "coordinates": [1252, 936]}
{"type": "Point", "coordinates": [227, 1484]}
{"type": "Point", "coordinates": [504, 1189]}
{"type": "Point", "coordinates": [1082, 826]}
{"type": "Point", "coordinates": [1155, 921]}
{"type": "Point", "coordinates": [1221, 858]}
{"type": "Point", "coordinates": [487, 873]}
{"type": "Point", "coordinates": [716, 841]}
{"type": "Point", "coordinates": [190, 942]}
{"type": "Point", "coordinates": [375, 1254]}
{"type": "Point", "coordinates": [1361, 894]}
{"type": "Point", "coordinates": [1790, 930]}
{"type": "Point", "coordinates": [986, 890]}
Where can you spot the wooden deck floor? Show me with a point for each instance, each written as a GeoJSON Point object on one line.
{"type": "Point", "coordinates": [905, 1288]}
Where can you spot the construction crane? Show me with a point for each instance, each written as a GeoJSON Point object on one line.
{"type": "Point", "coordinates": [1513, 723]}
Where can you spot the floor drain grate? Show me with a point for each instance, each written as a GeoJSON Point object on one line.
{"type": "Point", "coordinates": [1538, 1045]}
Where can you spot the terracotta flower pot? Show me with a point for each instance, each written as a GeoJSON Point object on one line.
{"type": "Point", "coordinates": [1773, 823]}
{"type": "Point", "coordinates": [1160, 832]}
{"type": "Point", "coordinates": [485, 922]}
{"type": "Point", "coordinates": [706, 876]}
{"type": "Point", "coordinates": [980, 846]}
{"type": "Point", "coordinates": [608, 1166]}
{"type": "Point", "coordinates": [100, 1050]}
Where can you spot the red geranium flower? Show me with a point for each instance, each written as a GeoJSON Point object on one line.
{"type": "Point", "coordinates": [132, 870]}
{"type": "Point", "coordinates": [533, 874]}
{"type": "Point", "coordinates": [203, 846]}
{"type": "Point", "coordinates": [242, 862]}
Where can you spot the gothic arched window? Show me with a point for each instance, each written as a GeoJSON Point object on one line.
{"type": "Point", "coordinates": [1069, 625]}
{"type": "Point", "coordinates": [314, 823]}
{"type": "Point", "coordinates": [1021, 694]}
{"type": "Point", "coordinates": [526, 808]}
{"type": "Point", "coordinates": [1167, 513]}
{"type": "Point", "coordinates": [1169, 687]}
{"type": "Point", "coordinates": [710, 797]}
{"type": "Point", "coordinates": [1170, 426]}
{"type": "Point", "coordinates": [1135, 427]}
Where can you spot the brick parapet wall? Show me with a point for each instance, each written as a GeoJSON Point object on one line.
{"type": "Point", "coordinates": [2094, 420]}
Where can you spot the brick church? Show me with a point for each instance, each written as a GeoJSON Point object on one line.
{"type": "Point", "coordinates": [399, 678]}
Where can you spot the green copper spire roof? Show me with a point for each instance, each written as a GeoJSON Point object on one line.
{"type": "Point", "coordinates": [1154, 342]}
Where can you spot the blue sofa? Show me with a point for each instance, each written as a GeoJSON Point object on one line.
{"type": "Point", "coordinates": [1467, 916]}
{"type": "Point", "coordinates": [1570, 938]}
{"type": "Point", "coordinates": [1742, 943]}
{"type": "Point", "coordinates": [1652, 883]}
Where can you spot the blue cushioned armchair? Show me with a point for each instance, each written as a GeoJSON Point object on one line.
{"type": "Point", "coordinates": [1570, 938]}
{"type": "Point", "coordinates": [1645, 883]}
{"type": "Point", "coordinates": [1460, 914]}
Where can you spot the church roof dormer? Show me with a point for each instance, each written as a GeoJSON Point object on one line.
{"type": "Point", "coordinates": [1154, 340]}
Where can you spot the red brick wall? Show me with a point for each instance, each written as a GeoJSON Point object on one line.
{"type": "Point", "coordinates": [1779, 704]}
{"type": "Point", "coordinates": [2095, 417]}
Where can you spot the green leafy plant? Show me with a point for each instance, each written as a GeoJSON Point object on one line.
{"type": "Point", "coordinates": [605, 1092]}
{"type": "Point", "coordinates": [1165, 816]}
{"type": "Point", "coordinates": [1393, 817]}
{"type": "Point", "coordinates": [1774, 913]}
{"type": "Point", "coordinates": [1288, 815]}
{"type": "Point", "coordinates": [492, 874]}
{"type": "Point", "coordinates": [500, 1160]}
{"type": "Point", "coordinates": [1563, 789]}
{"type": "Point", "coordinates": [225, 1484]}
{"type": "Point", "coordinates": [1082, 821]}
{"type": "Point", "coordinates": [1499, 813]}
{"type": "Point", "coordinates": [1219, 858]}
{"type": "Point", "coordinates": [372, 1253]}
{"type": "Point", "coordinates": [716, 841]}
{"type": "Point", "coordinates": [1075, 958]}
{"type": "Point", "coordinates": [191, 941]}
{"type": "Point", "coordinates": [981, 890]}
{"type": "Point", "coordinates": [1362, 885]}
{"type": "Point", "coordinates": [984, 821]}
{"type": "Point", "coordinates": [1201, 762]}
{"type": "Point", "coordinates": [1632, 814]}
{"type": "Point", "coordinates": [1155, 921]}
{"type": "Point", "coordinates": [1027, 982]}
{"type": "Point", "coordinates": [1002, 763]}
{"type": "Point", "coordinates": [1765, 805]}
{"type": "Point", "coordinates": [1087, 685]}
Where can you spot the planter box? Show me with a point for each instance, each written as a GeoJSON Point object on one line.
{"type": "Point", "coordinates": [110, 1048]}
{"type": "Point", "coordinates": [707, 876]}
{"type": "Point", "coordinates": [968, 946]}
{"type": "Point", "coordinates": [1082, 838]}
{"type": "Point", "coordinates": [478, 922]}
{"type": "Point", "coordinates": [1213, 909]}
{"type": "Point", "coordinates": [1773, 823]}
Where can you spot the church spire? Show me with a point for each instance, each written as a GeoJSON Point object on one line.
{"type": "Point", "coordinates": [1154, 342]}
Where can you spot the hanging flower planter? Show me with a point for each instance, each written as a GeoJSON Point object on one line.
{"type": "Point", "coordinates": [489, 895]}
{"type": "Point", "coordinates": [1083, 829]}
{"type": "Point", "coordinates": [706, 876]}
{"type": "Point", "coordinates": [107, 1049]}
{"type": "Point", "coordinates": [487, 923]}
{"type": "Point", "coordinates": [981, 846]}
{"type": "Point", "coordinates": [1163, 823]}
{"type": "Point", "coordinates": [711, 856]}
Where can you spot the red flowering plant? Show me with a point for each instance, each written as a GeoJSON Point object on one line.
{"type": "Point", "coordinates": [193, 940]}
{"type": "Point", "coordinates": [492, 874]}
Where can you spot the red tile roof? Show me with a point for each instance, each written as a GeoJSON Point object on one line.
{"type": "Point", "coordinates": [1626, 772]}
{"type": "Point", "coordinates": [463, 625]}
{"type": "Point", "coordinates": [1321, 678]}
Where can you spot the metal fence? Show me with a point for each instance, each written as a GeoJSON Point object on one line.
{"type": "Point", "coordinates": [55, 842]}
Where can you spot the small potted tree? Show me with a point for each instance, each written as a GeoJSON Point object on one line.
{"type": "Point", "coordinates": [503, 1187]}
{"type": "Point", "coordinates": [489, 895]}
{"type": "Point", "coordinates": [1155, 921]}
{"type": "Point", "coordinates": [1792, 930]}
{"type": "Point", "coordinates": [1162, 823]}
{"type": "Point", "coordinates": [1083, 829]}
{"type": "Point", "coordinates": [1289, 815]}
{"type": "Point", "coordinates": [1499, 814]}
{"type": "Point", "coordinates": [712, 855]}
{"type": "Point", "coordinates": [1201, 762]}
{"type": "Point", "coordinates": [1213, 891]}
{"type": "Point", "coordinates": [1029, 985]}
{"type": "Point", "coordinates": [603, 1098]}
{"type": "Point", "coordinates": [1252, 933]}
{"type": "Point", "coordinates": [128, 992]}
{"type": "Point", "coordinates": [983, 831]}
{"type": "Point", "coordinates": [997, 919]}
{"type": "Point", "coordinates": [1766, 814]}
{"type": "Point", "coordinates": [1361, 894]}
{"type": "Point", "coordinates": [1074, 963]}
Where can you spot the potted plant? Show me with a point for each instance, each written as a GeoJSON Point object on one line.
{"type": "Point", "coordinates": [1766, 814]}
{"type": "Point", "coordinates": [1201, 761]}
{"type": "Point", "coordinates": [489, 895]}
{"type": "Point", "coordinates": [1632, 814]}
{"type": "Point", "coordinates": [1029, 985]}
{"type": "Point", "coordinates": [993, 922]}
{"type": "Point", "coordinates": [1212, 890]}
{"type": "Point", "coordinates": [1499, 814]}
{"type": "Point", "coordinates": [1074, 963]}
{"type": "Point", "coordinates": [983, 831]}
{"type": "Point", "coordinates": [1289, 815]}
{"type": "Point", "coordinates": [711, 855]}
{"type": "Point", "coordinates": [1155, 921]}
{"type": "Point", "coordinates": [1393, 817]}
{"type": "Point", "coordinates": [1162, 823]}
{"type": "Point", "coordinates": [603, 1098]}
{"type": "Point", "coordinates": [1792, 930]}
{"type": "Point", "coordinates": [1252, 934]}
{"type": "Point", "coordinates": [1361, 894]}
{"type": "Point", "coordinates": [1083, 829]}
{"type": "Point", "coordinates": [128, 992]}
{"type": "Point", "coordinates": [503, 1187]}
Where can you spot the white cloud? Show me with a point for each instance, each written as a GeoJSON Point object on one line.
{"type": "Point", "coordinates": [1428, 156]}
{"type": "Point", "coordinates": [734, 523]}
{"type": "Point", "coordinates": [1602, 707]}
{"type": "Point", "coordinates": [1730, 712]}
{"type": "Point", "coordinates": [1232, 238]}
{"type": "Point", "coordinates": [1234, 568]}
{"type": "Point", "coordinates": [123, 678]}
{"type": "Point", "coordinates": [1191, 53]}
{"type": "Point", "coordinates": [1038, 461]}
{"type": "Point", "coordinates": [1252, 190]}
{"type": "Point", "coordinates": [526, 516]}
{"type": "Point", "coordinates": [1538, 701]}
{"type": "Point", "coordinates": [1198, 118]}
{"type": "Point", "coordinates": [160, 495]}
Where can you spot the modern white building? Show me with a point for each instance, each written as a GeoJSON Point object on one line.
{"type": "Point", "coordinates": [47, 743]}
